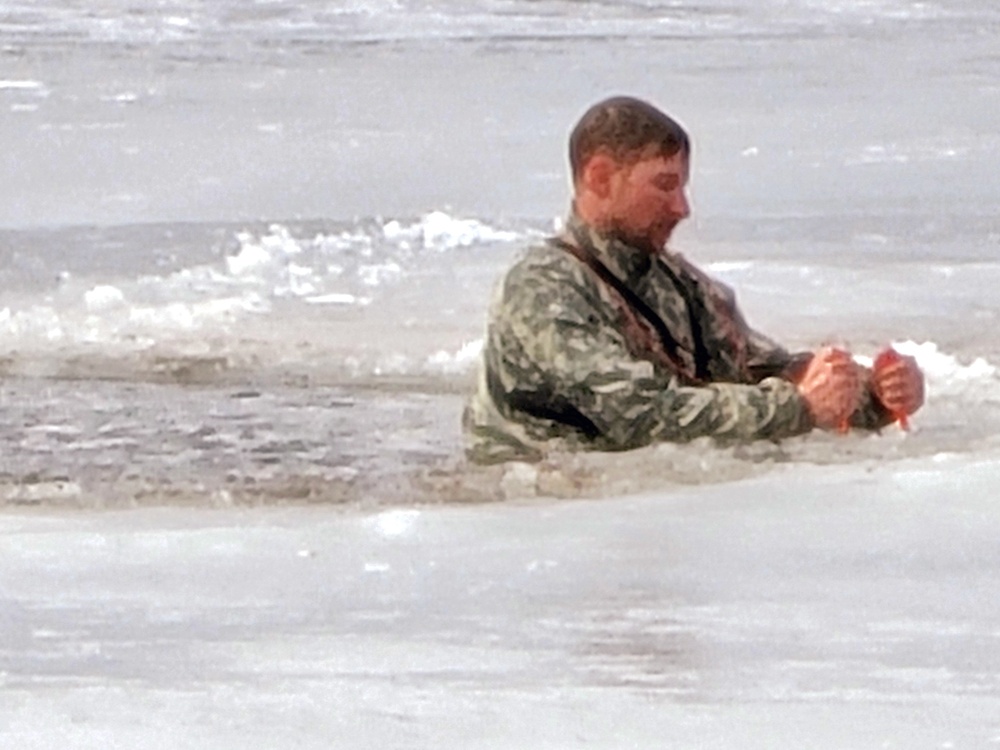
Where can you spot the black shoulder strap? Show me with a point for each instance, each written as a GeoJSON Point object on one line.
{"type": "Point", "coordinates": [670, 345]}
{"type": "Point", "coordinates": [695, 305]}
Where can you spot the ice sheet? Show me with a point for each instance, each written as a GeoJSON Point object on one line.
{"type": "Point", "coordinates": [820, 607]}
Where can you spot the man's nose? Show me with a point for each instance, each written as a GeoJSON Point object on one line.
{"type": "Point", "coordinates": [680, 206]}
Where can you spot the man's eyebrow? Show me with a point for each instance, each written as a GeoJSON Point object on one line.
{"type": "Point", "coordinates": [667, 178]}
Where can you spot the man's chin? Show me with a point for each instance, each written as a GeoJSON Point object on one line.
{"type": "Point", "coordinates": [653, 241]}
{"type": "Point", "coordinates": [661, 237]}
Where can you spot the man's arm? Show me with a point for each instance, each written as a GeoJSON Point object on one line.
{"type": "Point", "coordinates": [557, 334]}
{"type": "Point", "coordinates": [765, 357]}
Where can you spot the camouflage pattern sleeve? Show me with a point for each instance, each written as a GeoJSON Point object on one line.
{"type": "Point", "coordinates": [766, 358]}
{"type": "Point", "coordinates": [552, 332]}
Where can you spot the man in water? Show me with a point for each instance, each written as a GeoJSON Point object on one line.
{"type": "Point", "coordinates": [603, 339]}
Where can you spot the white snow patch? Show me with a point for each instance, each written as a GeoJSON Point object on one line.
{"type": "Point", "coordinates": [394, 523]}
{"type": "Point", "coordinates": [460, 361]}
{"type": "Point", "coordinates": [376, 274]}
{"type": "Point", "coordinates": [250, 259]}
{"type": "Point", "coordinates": [14, 85]}
{"type": "Point", "coordinates": [337, 298]}
{"type": "Point", "coordinates": [723, 267]}
{"type": "Point", "coordinates": [439, 231]}
{"type": "Point", "coordinates": [103, 297]}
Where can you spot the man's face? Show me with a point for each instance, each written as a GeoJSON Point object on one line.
{"type": "Point", "coordinates": [649, 199]}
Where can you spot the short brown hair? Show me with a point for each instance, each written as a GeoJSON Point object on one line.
{"type": "Point", "coordinates": [625, 127]}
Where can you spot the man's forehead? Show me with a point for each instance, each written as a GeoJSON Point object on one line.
{"type": "Point", "coordinates": [657, 161]}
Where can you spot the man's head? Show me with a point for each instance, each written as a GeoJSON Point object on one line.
{"type": "Point", "coordinates": [630, 171]}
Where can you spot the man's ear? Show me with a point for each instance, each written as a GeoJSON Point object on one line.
{"type": "Point", "coordinates": [598, 172]}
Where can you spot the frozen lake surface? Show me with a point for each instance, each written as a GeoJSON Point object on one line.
{"type": "Point", "coordinates": [245, 255]}
{"type": "Point", "coordinates": [831, 610]}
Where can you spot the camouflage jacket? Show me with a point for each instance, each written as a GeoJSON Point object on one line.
{"type": "Point", "coordinates": [570, 358]}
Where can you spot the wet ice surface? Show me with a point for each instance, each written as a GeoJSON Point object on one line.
{"type": "Point", "coordinates": [830, 609]}
{"type": "Point", "coordinates": [110, 444]}
{"type": "Point", "coordinates": [245, 262]}
{"type": "Point", "coordinates": [798, 105]}
{"type": "Point", "coordinates": [121, 444]}
{"type": "Point", "coordinates": [327, 361]}
{"type": "Point", "coordinates": [315, 302]}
